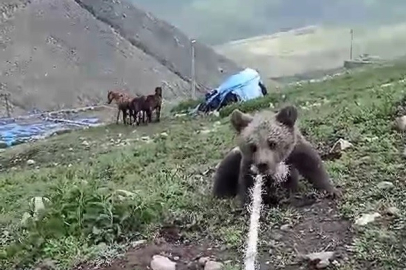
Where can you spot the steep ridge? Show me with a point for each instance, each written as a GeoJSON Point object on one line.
{"type": "Point", "coordinates": [55, 54]}
{"type": "Point", "coordinates": [166, 43]}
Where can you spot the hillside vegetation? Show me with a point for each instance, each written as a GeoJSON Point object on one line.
{"type": "Point", "coordinates": [165, 171]}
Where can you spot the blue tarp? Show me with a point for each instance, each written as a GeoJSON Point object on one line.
{"type": "Point", "coordinates": [245, 85]}
{"type": "Point", "coordinates": [13, 131]}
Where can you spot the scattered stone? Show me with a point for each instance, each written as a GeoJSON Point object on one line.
{"type": "Point", "coordinates": [205, 131]}
{"type": "Point", "coordinates": [180, 115]}
{"type": "Point", "coordinates": [85, 143]}
{"type": "Point", "coordinates": [176, 258]}
{"type": "Point", "coordinates": [211, 265]}
{"type": "Point", "coordinates": [366, 218]}
{"type": "Point", "coordinates": [401, 123]}
{"type": "Point", "coordinates": [393, 211]}
{"type": "Point", "coordinates": [164, 134]}
{"type": "Point", "coordinates": [203, 261]}
{"type": "Point", "coordinates": [341, 145]}
{"type": "Point", "coordinates": [285, 227]}
{"type": "Point", "coordinates": [138, 243]}
{"type": "Point", "coordinates": [323, 258]}
{"type": "Point", "coordinates": [385, 185]}
{"type": "Point", "coordinates": [37, 204]}
{"type": "Point", "coordinates": [24, 219]}
{"type": "Point", "coordinates": [404, 152]}
{"type": "Point", "coordinates": [162, 263]}
{"type": "Point", "coordinates": [30, 162]}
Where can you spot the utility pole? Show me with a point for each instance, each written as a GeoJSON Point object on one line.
{"type": "Point", "coordinates": [6, 95]}
{"type": "Point", "coordinates": [352, 38]}
{"type": "Point", "coordinates": [192, 43]}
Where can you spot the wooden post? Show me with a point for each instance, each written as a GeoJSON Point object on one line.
{"type": "Point", "coordinates": [5, 96]}
{"type": "Point", "coordinates": [352, 38]}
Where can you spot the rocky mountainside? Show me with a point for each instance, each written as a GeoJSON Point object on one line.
{"type": "Point", "coordinates": [69, 53]}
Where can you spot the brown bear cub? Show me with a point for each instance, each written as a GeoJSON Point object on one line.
{"type": "Point", "coordinates": [265, 141]}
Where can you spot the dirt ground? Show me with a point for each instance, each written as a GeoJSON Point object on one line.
{"type": "Point", "coordinates": [320, 229]}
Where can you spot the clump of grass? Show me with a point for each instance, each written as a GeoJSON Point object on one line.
{"type": "Point", "coordinates": [185, 106]}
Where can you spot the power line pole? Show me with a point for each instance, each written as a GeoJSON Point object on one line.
{"type": "Point", "coordinates": [5, 96]}
{"type": "Point", "coordinates": [352, 38]}
{"type": "Point", "coordinates": [192, 43]}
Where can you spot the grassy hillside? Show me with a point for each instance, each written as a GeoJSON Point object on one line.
{"type": "Point", "coordinates": [314, 48]}
{"type": "Point", "coordinates": [167, 167]}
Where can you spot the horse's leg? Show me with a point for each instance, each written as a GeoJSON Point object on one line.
{"type": "Point", "coordinates": [158, 113]}
{"type": "Point", "coordinates": [149, 116]}
{"type": "Point", "coordinates": [125, 116]}
{"type": "Point", "coordinates": [118, 116]}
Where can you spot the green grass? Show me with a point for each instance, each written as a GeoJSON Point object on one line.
{"type": "Point", "coordinates": [169, 183]}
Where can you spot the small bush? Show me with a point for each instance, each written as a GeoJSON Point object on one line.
{"type": "Point", "coordinates": [253, 104]}
{"type": "Point", "coordinates": [186, 105]}
{"type": "Point", "coordinates": [84, 214]}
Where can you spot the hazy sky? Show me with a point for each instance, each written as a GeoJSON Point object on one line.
{"type": "Point", "coordinates": [218, 21]}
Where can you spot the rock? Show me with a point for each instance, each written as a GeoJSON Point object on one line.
{"type": "Point", "coordinates": [162, 263]}
{"type": "Point", "coordinates": [404, 152]}
{"type": "Point", "coordinates": [285, 227]}
{"type": "Point", "coordinates": [24, 219]}
{"type": "Point", "coordinates": [385, 185]}
{"type": "Point", "coordinates": [138, 243]}
{"type": "Point", "coordinates": [205, 131]}
{"type": "Point", "coordinates": [3, 145]}
{"type": "Point", "coordinates": [401, 123]}
{"type": "Point", "coordinates": [393, 211]}
{"type": "Point", "coordinates": [30, 162]}
{"type": "Point", "coordinates": [366, 218]}
{"type": "Point", "coordinates": [164, 134]}
{"type": "Point", "coordinates": [210, 265]}
{"type": "Point", "coordinates": [203, 261]}
{"type": "Point", "coordinates": [341, 145]}
{"type": "Point", "coordinates": [85, 143]}
{"type": "Point", "coordinates": [323, 258]}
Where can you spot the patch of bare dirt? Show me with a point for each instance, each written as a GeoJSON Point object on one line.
{"type": "Point", "coordinates": [319, 229]}
{"type": "Point", "coordinates": [169, 243]}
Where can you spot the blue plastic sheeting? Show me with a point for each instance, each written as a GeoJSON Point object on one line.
{"type": "Point", "coordinates": [12, 132]}
{"type": "Point", "coordinates": [244, 84]}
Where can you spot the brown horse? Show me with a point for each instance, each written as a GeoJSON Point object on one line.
{"type": "Point", "coordinates": [123, 101]}
{"type": "Point", "coordinates": [155, 103]}
{"type": "Point", "coordinates": [139, 107]}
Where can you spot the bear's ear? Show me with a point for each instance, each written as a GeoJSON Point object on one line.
{"type": "Point", "coordinates": [240, 120]}
{"type": "Point", "coordinates": [287, 116]}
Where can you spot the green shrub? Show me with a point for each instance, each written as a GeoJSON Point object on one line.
{"type": "Point", "coordinates": [253, 104]}
{"type": "Point", "coordinates": [85, 213]}
{"type": "Point", "coordinates": [186, 105]}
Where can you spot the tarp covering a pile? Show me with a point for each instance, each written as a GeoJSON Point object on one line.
{"type": "Point", "coordinates": [244, 85]}
{"type": "Point", "coordinates": [14, 131]}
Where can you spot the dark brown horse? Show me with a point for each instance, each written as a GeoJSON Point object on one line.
{"type": "Point", "coordinates": [139, 107]}
{"type": "Point", "coordinates": [155, 103]}
{"type": "Point", "coordinates": [123, 101]}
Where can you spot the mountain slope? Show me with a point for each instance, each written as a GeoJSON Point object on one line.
{"type": "Point", "coordinates": [55, 54]}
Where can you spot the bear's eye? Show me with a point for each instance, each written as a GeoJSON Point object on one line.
{"type": "Point", "coordinates": [253, 147]}
{"type": "Point", "coordinates": [271, 144]}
